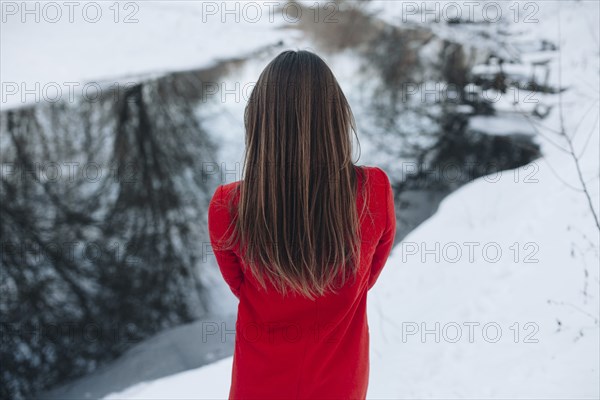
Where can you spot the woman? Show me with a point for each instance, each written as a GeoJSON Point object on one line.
{"type": "Point", "coordinates": [301, 239]}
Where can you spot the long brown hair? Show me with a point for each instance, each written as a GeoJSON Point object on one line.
{"type": "Point", "coordinates": [296, 219]}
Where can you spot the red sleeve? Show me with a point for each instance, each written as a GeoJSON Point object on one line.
{"type": "Point", "coordinates": [386, 242]}
{"type": "Point", "coordinates": [228, 261]}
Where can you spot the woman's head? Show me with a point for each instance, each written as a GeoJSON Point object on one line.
{"type": "Point", "coordinates": [298, 102]}
{"type": "Point", "coordinates": [297, 221]}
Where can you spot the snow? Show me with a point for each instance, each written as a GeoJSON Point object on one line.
{"type": "Point", "coordinates": [501, 124]}
{"type": "Point", "coordinates": [524, 221]}
{"type": "Point", "coordinates": [211, 382]}
{"type": "Point", "coordinates": [517, 254]}
{"type": "Point", "coordinates": [509, 69]}
{"type": "Point", "coordinates": [186, 35]}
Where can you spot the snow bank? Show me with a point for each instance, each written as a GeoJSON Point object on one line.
{"type": "Point", "coordinates": [120, 40]}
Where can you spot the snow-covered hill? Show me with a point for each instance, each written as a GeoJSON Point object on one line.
{"type": "Point", "coordinates": [120, 43]}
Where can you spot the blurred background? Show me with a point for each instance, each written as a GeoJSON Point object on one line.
{"type": "Point", "coordinates": [119, 120]}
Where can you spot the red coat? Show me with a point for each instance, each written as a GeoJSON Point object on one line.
{"type": "Point", "coordinates": [295, 348]}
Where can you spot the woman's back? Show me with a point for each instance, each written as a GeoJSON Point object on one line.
{"type": "Point", "coordinates": [291, 346]}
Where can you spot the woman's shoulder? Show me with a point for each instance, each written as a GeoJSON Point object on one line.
{"type": "Point", "coordinates": [225, 188]}
{"type": "Point", "coordinates": [375, 175]}
{"type": "Point", "coordinates": [229, 187]}
{"type": "Point", "coordinates": [222, 194]}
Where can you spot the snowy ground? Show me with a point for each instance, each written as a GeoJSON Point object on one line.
{"type": "Point", "coordinates": [497, 295]}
